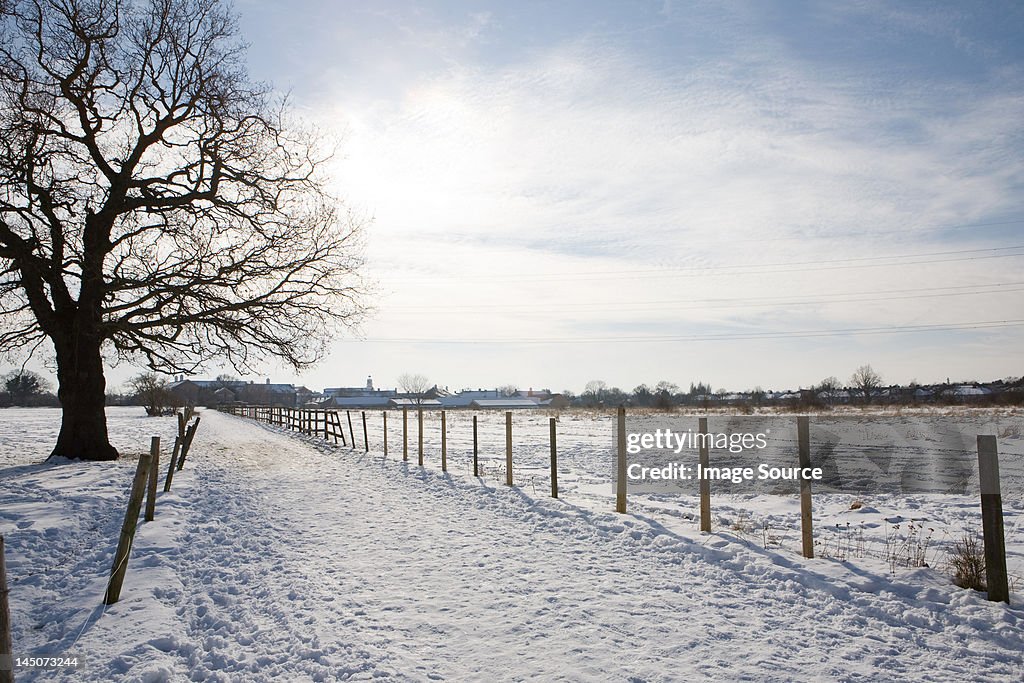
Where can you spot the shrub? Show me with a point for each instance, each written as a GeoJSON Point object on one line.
{"type": "Point", "coordinates": [967, 563]}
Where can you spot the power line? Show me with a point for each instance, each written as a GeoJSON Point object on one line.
{"type": "Point", "coordinates": [752, 269]}
{"type": "Point", "coordinates": [895, 234]}
{"type": "Point", "coordinates": [732, 302]}
{"type": "Point", "coordinates": [743, 336]}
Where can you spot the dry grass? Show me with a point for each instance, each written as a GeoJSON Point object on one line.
{"type": "Point", "coordinates": [967, 563]}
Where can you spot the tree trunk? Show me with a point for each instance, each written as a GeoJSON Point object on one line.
{"type": "Point", "coordinates": [82, 393]}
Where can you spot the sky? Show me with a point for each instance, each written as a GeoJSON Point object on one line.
{"type": "Point", "coordinates": [740, 193]}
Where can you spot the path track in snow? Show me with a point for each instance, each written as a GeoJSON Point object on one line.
{"type": "Point", "coordinates": [312, 564]}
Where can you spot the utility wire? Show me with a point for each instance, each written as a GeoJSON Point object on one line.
{"type": "Point", "coordinates": [742, 336]}
{"type": "Point", "coordinates": [733, 270]}
{"type": "Point", "coordinates": [730, 302]}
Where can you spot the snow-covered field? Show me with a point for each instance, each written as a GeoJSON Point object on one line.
{"type": "Point", "coordinates": [278, 557]}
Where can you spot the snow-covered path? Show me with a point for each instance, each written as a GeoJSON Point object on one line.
{"type": "Point", "coordinates": [297, 562]}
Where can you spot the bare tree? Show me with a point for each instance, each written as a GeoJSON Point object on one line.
{"type": "Point", "coordinates": [594, 391]}
{"type": "Point", "coordinates": [154, 393]}
{"type": "Point", "coordinates": [828, 388]}
{"type": "Point", "coordinates": [155, 204]}
{"type": "Point", "coordinates": [867, 380]}
{"type": "Point", "coordinates": [414, 385]}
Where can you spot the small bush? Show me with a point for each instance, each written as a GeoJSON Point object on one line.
{"type": "Point", "coordinates": [967, 563]}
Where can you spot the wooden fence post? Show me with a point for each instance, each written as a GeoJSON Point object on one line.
{"type": "Point", "coordinates": [554, 460]}
{"type": "Point", "coordinates": [704, 483]}
{"type": "Point", "coordinates": [405, 434]}
{"type": "Point", "coordinates": [340, 430]}
{"type": "Point", "coordinates": [187, 443]}
{"type": "Point", "coordinates": [6, 644]}
{"type": "Point", "coordinates": [384, 413]}
{"type": "Point", "coordinates": [124, 544]}
{"type": "Point", "coordinates": [476, 464]}
{"type": "Point", "coordinates": [508, 448]}
{"type": "Point", "coordinates": [366, 438]}
{"type": "Point", "coordinates": [992, 520]}
{"type": "Point", "coordinates": [444, 443]}
{"type": "Point", "coordinates": [170, 468]}
{"type": "Point", "coordinates": [154, 454]}
{"type": "Point", "coordinates": [620, 470]}
{"type": "Point", "coordinates": [807, 534]}
{"type": "Point", "coordinates": [351, 432]}
{"type": "Point", "coordinates": [419, 418]}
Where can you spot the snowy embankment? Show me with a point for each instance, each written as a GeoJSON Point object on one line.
{"type": "Point", "coordinates": [279, 558]}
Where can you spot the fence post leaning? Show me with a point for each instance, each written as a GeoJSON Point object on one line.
{"type": "Point", "coordinates": [341, 429]}
{"type": "Point", "coordinates": [170, 468]}
{"type": "Point", "coordinates": [807, 533]}
{"type": "Point", "coordinates": [384, 413]}
{"type": "Point", "coordinates": [124, 544]}
{"type": "Point", "coordinates": [704, 483]}
{"type": "Point", "coordinates": [187, 443]}
{"type": "Point", "coordinates": [508, 448]}
{"type": "Point", "coordinates": [554, 460]}
{"type": "Point", "coordinates": [351, 433]}
{"type": "Point", "coordinates": [154, 466]}
{"type": "Point", "coordinates": [992, 520]}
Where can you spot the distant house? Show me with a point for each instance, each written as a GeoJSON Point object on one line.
{"type": "Point", "coordinates": [356, 397]}
{"type": "Point", "coordinates": [218, 392]}
{"type": "Point", "coordinates": [834, 396]}
{"type": "Point", "coordinates": [414, 403]}
{"type": "Point", "coordinates": [545, 398]}
{"type": "Point", "coordinates": [225, 395]}
{"type": "Point", "coordinates": [967, 393]}
{"type": "Point", "coordinates": [193, 393]}
{"type": "Point", "coordinates": [556, 402]}
{"type": "Point", "coordinates": [354, 402]}
{"type": "Point", "coordinates": [463, 398]}
{"type": "Point", "coordinates": [268, 394]}
{"type": "Point", "coordinates": [922, 395]}
{"type": "Point", "coordinates": [367, 391]}
{"type": "Point", "coordinates": [503, 404]}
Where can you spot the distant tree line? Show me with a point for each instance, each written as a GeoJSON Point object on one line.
{"type": "Point", "coordinates": [864, 387]}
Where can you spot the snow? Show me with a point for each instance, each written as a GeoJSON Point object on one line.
{"type": "Point", "coordinates": [279, 557]}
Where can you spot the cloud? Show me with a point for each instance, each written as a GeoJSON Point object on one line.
{"type": "Point", "coordinates": [604, 166]}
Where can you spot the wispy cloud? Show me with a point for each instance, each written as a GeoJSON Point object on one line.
{"type": "Point", "coordinates": [716, 141]}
